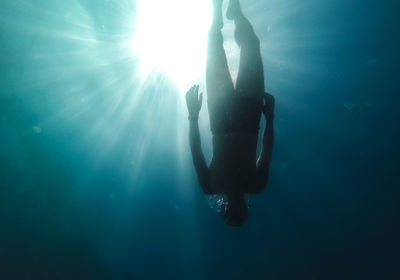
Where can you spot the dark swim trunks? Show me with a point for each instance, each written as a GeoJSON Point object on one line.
{"type": "Point", "coordinates": [235, 114]}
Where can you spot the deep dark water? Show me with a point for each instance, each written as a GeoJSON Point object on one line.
{"type": "Point", "coordinates": [93, 187]}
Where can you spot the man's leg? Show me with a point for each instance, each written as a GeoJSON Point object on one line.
{"type": "Point", "coordinates": [218, 79]}
{"type": "Point", "coordinates": [250, 80]}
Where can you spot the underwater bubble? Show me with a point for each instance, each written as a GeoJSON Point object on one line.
{"type": "Point", "coordinates": [215, 201]}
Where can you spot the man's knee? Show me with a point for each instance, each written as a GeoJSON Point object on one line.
{"type": "Point", "coordinates": [247, 39]}
{"type": "Point", "coordinates": [214, 32]}
{"type": "Point", "coordinates": [215, 36]}
{"type": "Point", "coordinates": [255, 40]}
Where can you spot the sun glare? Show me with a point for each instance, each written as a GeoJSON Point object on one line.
{"type": "Point", "coordinates": [171, 37]}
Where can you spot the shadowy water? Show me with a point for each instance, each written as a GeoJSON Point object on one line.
{"type": "Point", "coordinates": [96, 178]}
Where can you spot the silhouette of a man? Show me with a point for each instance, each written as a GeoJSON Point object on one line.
{"type": "Point", "coordinates": [235, 113]}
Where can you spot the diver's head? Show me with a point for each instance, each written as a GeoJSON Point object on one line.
{"type": "Point", "coordinates": [234, 210]}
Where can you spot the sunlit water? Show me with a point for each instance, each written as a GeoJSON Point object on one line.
{"type": "Point", "coordinates": [96, 175]}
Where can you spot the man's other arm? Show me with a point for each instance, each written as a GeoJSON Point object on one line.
{"type": "Point", "coordinates": [264, 161]}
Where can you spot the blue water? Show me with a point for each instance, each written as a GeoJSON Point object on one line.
{"type": "Point", "coordinates": [96, 175]}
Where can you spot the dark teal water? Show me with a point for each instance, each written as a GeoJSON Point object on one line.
{"type": "Point", "coordinates": [96, 179]}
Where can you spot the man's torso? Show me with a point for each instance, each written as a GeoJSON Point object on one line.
{"type": "Point", "coordinates": [233, 167]}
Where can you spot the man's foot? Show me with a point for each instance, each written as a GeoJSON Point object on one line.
{"type": "Point", "coordinates": [234, 9]}
{"type": "Point", "coordinates": [217, 18]}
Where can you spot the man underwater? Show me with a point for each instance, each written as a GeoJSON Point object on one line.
{"type": "Point", "coordinates": [235, 114]}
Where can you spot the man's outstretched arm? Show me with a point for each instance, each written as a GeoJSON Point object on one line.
{"type": "Point", "coordinates": [198, 157]}
{"type": "Point", "coordinates": [194, 101]}
{"type": "Point", "coordinates": [264, 161]}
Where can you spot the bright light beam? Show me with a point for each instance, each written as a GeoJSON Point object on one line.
{"type": "Point", "coordinates": [171, 37]}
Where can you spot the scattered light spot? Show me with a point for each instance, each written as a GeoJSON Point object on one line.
{"type": "Point", "coordinates": [372, 61]}
{"type": "Point", "coordinates": [368, 104]}
{"type": "Point", "coordinates": [349, 106]}
{"type": "Point", "coordinates": [37, 129]}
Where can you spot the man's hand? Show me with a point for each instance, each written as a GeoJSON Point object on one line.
{"type": "Point", "coordinates": [194, 101]}
{"type": "Point", "coordinates": [269, 106]}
